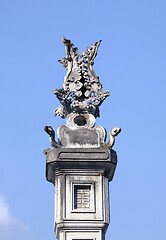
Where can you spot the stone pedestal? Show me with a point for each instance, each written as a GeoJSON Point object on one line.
{"type": "Point", "coordinates": [81, 178]}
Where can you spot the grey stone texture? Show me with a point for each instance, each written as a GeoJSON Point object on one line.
{"type": "Point", "coordinates": [82, 90]}
{"type": "Point", "coordinates": [80, 158]}
{"type": "Point", "coordinates": [81, 178]}
{"type": "Point", "coordinates": [80, 164]}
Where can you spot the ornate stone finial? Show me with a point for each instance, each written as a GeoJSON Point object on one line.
{"type": "Point", "coordinates": [80, 97]}
{"type": "Point", "coordinates": [82, 90]}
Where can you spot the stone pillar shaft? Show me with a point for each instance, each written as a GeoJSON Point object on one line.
{"type": "Point", "coordinates": [81, 191]}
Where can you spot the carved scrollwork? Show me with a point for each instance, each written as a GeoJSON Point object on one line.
{"type": "Point", "coordinates": [80, 98]}
{"type": "Point", "coordinates": [82, 90]}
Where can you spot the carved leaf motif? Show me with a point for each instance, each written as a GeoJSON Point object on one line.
{"type": "Point", "coordinates": [82, 91]}
{"type": "Point", "coordinates": [59, 111]}
{"type": "Point", "coordinates": [79, 93]}
{"type": "Point", "coordinates": [87, 93]}
{"type": "Point", "coordinates": [72, 87]}
{"type": "Point", "coordinates": [78, 85]}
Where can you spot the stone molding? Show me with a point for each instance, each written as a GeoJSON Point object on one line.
{"type": "Point", "coordinates": [79, 159]}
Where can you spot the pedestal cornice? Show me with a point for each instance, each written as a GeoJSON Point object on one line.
{"type": "Point", "coordinates": [90, 159]}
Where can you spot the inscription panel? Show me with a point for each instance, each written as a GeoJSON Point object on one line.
{"type": "Point", "coordinates": [81, 196]}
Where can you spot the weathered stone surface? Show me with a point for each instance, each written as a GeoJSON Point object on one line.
{"type": "Point", "coordinates": [80, 97]}
{"type": "Point", "coordinates": [77, 121]}
{"type": "Point", "coordinates": [80, 163]}
{"type": "Point", "coordinates": [79, 138]}
{"type": "Point", "coordinates": [89, 189]}
{"type": "Point", "coordinates": [82, 90]}
{"type": "Point", "coordinates": [89, 234]}
{"type": "Point", "coordinates": [75, 159]}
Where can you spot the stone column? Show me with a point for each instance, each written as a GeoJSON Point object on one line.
{"type": "Point", "coordinates": [80, 164]}
{"type": "Point", "coordinates": [81, 178]}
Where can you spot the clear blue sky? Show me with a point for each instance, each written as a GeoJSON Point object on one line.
{"type": "Point", "coordinates": [131, 64]}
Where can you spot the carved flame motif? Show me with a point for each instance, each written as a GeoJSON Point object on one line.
{"type": "Point", "coordinates": [82, 90]}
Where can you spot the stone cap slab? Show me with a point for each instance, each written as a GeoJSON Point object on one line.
{"type": "Point", "coordinates": [78, 159]}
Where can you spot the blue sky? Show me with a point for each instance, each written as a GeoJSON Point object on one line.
{"type": "Point", "coordinates": [131, 65]}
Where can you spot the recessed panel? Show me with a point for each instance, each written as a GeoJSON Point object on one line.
{"type": "Point", "coordinates": [83, 235]}
{"type": "Point", "coordinates": [82, 198]}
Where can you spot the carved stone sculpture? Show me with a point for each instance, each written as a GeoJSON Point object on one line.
{"type": "Point", "coordinates": [80, 97]}
{"type": "Point", "coordinates": [80, 164]}
{"type": "Point", "coordinates": [82, 90]}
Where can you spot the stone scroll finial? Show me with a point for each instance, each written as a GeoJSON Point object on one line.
{"type": "Point", "coordinates": [82, 90]}
{"type": "Point", "coordinates": [80, 96]}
